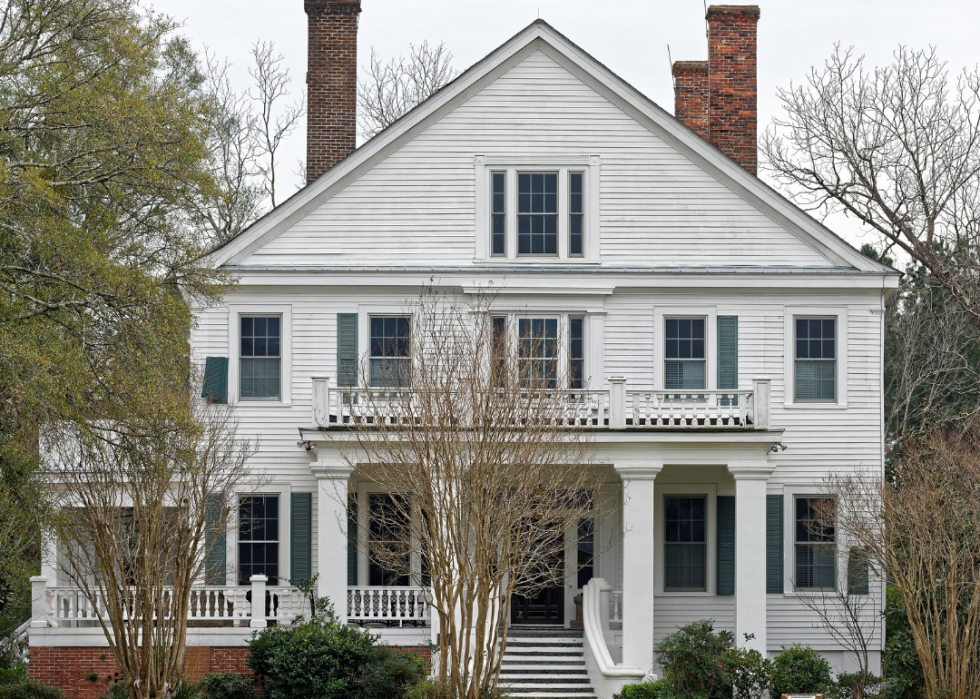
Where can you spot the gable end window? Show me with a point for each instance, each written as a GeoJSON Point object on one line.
{"type": "Point", "coordinates": [390, 355]}
{"type": "Point", "coordinates": [684, 353]}
{"type": "Point", "coordinates": [576, 213]}
{"type": "Point", "coordinates": [260, 357]}
{"type": "Point", "coordinates": [498, 214]}
{"type": "Point", "coordinates": [537, 213]}
{"type": "Point", "coordinates": [816, 360]}
{"type": "Point", "coordinates": [816, 547]}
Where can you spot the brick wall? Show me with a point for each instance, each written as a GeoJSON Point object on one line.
{"type": "Point", "coordinates": [718, 98]}
{"type": "Point", "coordinates": [331, 83]}
{"type": "Point", "coordinates": [69, 669]}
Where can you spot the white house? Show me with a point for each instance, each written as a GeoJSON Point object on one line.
{"type": "Point", "coordinates": [646, 242]}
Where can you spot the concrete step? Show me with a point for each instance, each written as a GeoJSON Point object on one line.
{"type": "Point", "coordinates": [550, 680]}
{"type": "Point", "coordinates": [539, 670]}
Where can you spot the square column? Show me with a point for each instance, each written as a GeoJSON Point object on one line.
{"type": "Point", "coordinates": [332, 479]}
{"type": "Point", "coordinates": [638, 523]}
{"type": "Point", "coordinates": [750, 552]}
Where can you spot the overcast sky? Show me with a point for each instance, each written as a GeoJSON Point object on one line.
{"type": "Point", "coordinates": [629, 36]}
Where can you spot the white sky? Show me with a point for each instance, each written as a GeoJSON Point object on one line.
{"type": "Point", "coordinates": [628, 36]}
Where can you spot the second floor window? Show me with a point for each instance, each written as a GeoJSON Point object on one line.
{"type": "Point", "coordinates": [390, 352]}
{"type": "Point", "coordinates": [537, 213]}
{"type": "Point", "coordinates": [684, 543]}
{"type": "Point", "coordinates": [260, 357]}
{"type": "Point", "coordinates": [258, 538]}
{"type": "Point", "coordinates": [576, 352]}
{"type": "Point", "coordinates": [816, 360]}
{"type": "Point", "coordinates": [537, 351]}
{"type": "Point", "coordinates": [684, 353]}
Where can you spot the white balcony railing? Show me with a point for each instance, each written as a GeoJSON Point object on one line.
{"type": "Point", "coordinates": [612, 408]}
{"type": "Point", "coordinates": [391, 606]}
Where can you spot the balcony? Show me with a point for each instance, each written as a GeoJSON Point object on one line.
{"type": "Point", "coordinates": [615, 408]}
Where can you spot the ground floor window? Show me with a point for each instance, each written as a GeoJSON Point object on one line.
{"type": "Point", "coordinates": [586, 552]}
{"type": "Point", "coordinates": [816, 552]}
{"type": "Point", "coordinates": [389, 555]}
{"type": "Point", "coordinates": [258, 538]}
{"type": "Point", "coordinates": [685, 544]}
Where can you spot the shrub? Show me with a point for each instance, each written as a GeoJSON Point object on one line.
{"type": "Point", "coordinates": [900, 660]}
{"type": "Point", "coordinates": [645, 690]}
{"type": "Point", "coordinates": [31, 689]}
{"type": "Point", "coordinates": [317, 659]}
{"type": "Point", "coordinates": [226, 685]}
{"type": "Point", "coordinates": [118, 690]}
{"type": "Point", "coordinates": [856, 685]}
{"type": "Point", "coordinates": [693, 661]}
{"type": "Point", "coordinates": [798, 670]}
{"type": "Point", "coordinates": [389, 673]}
{"type": "Point", "coordinates": [184, 690]}
{"type": "Point", "coordinates": [430, 689]}
{"type": "Point", "coordinates": [748, 672]}
{"type": "Point", "coordinates": [13, 675]}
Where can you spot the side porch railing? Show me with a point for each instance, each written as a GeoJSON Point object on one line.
{"type": "Point", "coordinates": [388, 606]}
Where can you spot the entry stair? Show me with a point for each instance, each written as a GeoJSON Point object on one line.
{"type": "Point", "coordinates": [545, 662]}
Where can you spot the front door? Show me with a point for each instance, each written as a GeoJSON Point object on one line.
{"type": "Point", "coordinates": [547, 606]}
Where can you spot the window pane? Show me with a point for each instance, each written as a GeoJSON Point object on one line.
{"type": "Point", "coordinates": [684, 567]}
{"type": "Point", "coordinates": [260, 378]}
{"type": "Point", "coordinates": [260, 336]}
{"type": "Point", "coordinates": [537, 213]}
{"type": "Point", "coordinates": [816, 380]}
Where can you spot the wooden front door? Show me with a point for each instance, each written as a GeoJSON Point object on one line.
{"type": "Point", "coordinates": [545, 607]}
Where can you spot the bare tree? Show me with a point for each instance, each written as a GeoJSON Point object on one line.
{"type": "Point", "coordinates": [899, 149]}
{"type": "Point", "coordinates": [137, 502]}
{"type": "Point", "coordinates": [275, 124]}
{"type": "Point", "coordinates": [478, 444]}
{"type": "Point", "coordinates": [393, 89]}
{"type": "Point", "coordinates": [922, 530]}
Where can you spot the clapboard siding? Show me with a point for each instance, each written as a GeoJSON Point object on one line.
{"type": "Point", "coordinates": [419, 203]}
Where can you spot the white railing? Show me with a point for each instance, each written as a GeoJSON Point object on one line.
{"type": "Point", "coordinates": [391, 606]}
{"type": "Point", "coordinates": [253, 605]}
{"type": "Point", "coordinates": [600, 604]}
{"type": "Point", "coordinates": [616, 610]}
{"type": "Point", "coordinates": [612, 408]}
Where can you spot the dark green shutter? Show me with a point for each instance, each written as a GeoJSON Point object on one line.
{"type": "Point", "coordinates": [774, 544]}
{"type": "Point", "coordinates": [726, 545]}
{"type": "Point", "coordinates": [346, 349]}
{"type": "Point", "coordinates": [215, 541]}
{"type": "Point", "coordinates": [300, 537]}
{"type": "Point", "coordinates": [857, 572]}
{"type": "Point", "coordinates": [727, 355]}
{"type": "Point", "coordinates": [352, 540]}
{"type": "Point", "coordinates": [215, 379]}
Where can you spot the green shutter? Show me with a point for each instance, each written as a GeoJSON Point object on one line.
{"type": "Point", "coordinates": [346, 349]}
{"type": "Point", "coordinates": [215, 385]}
{"type": "Point", "coordinates": [726, 545]}
{"type": "Point", "coordinates": [774, 544]}
{"type": "Point", "coordinates": [727, 352]}
{"type": "Point", "coordinates": [300, 537]}
{"type": "Point", "coordinates": [857, 572]}
{"type": "Point", "coordinates": [215, 540]}
{"type": "Point", "coordinates": [352, 540]}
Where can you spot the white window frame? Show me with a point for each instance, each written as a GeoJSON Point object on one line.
{"type": "Point", "coordinates": [587, 165]}
{"type": "Point", "coordinates": [790, 314]}
{"type": "Point", "coordinates": [592, 326]}
{"type": "Point", "coordinates": [660, 316]}
{"type": "Point", "coordinates": [284, 491]}
{"type": "Point", "coordinates": [790, 494]}
{"type": "Point", "coordinates": [364, 326]}
{"type": "Point", "coordinates": [235, 312]}
{"type": "Point", "coordinates": [709, 492]}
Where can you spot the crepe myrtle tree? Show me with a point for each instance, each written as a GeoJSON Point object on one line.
{"type": "Point", "coordinates": [142, 502]}
{"type": "Point", "coordinates": [484, 463]}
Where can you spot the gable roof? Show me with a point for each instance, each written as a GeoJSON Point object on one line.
{"type": "Point", "coordinates": [540, 35]}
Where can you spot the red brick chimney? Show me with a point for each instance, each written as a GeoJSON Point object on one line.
{"type": "Point", "coordinates": [728, 118]}
{"type": "Point", "coordinates": [331, 83]}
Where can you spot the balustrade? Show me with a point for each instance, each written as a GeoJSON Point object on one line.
{"type": "Point", "coordinates": [391, 606]}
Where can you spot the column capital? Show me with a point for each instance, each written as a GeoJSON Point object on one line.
{"type": "Point", "coordinates": [751, 471]}
{"type": "Point", "coordinates": [331, 469]}
{"type": "Point", "coordinates": [638, 470]}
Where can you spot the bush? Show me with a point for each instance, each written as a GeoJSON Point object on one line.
{"type": "Point", "coordinates": [31, 689]}
{"type": "Point", "coordinates": [118, 690]}
{"type": "Point", "coordinates": [184, 690]}
{"type": "Point", "coordinates": [799, 670]}
{"type": "Point", "coordinates": [645, 690]}
{"type": "Point", "coordinates": [900, 660]}
{"type": "Point", "coordinates": [748, 672]}
{"type": "Point", "coordinates": [226, 685]}
{"type": "Point", "coordinates": [389, 673]}
{"type": "Point", "coordinates": [693, 661]}
{"type": "Point", "coordinates": [430, 689]}
{"type": "Point", "coordinates": [13, 675]}
{"type": "Point", "coordinates": [856, 685]}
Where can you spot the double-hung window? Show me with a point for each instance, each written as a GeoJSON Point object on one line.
{"type": "Point", "coordinates": [258, 538]}
{"type": "Point", "coordinates": [537, 213]}
{"type": "Point", "coordinates": [388, 540]}
{"type": "Point", "coordinates": [498, 214]}
{"type": "Point", "coordinates": [576, 352]}
{"type": "Point", "coordinates": [816, 546]}
{"type": "Point", "coordinates": [260, 357]}
{"type": "Point", "coordinates": [684, 353]}
{"type": "Point", "coordinates": [576, 213]}
{"type": "Point", "coordinates": [685, 545]}
{"type": "Point", "coordinates": [537, 352]}
{"type": "Point", "coordinates": [390, 351]}
{"type": "Point", "coordinates": [816, 360]}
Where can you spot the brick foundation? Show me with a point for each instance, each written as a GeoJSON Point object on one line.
{"type": "Point", "coordinates": [70, 669]}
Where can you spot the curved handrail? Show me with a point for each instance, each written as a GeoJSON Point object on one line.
{"type": "Point", "coordinates": [591, 610]}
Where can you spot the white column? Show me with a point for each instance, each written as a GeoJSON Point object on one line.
{"type": "Point", "coordinates": [332, 478]}
{"type": "Point", "coordinates": [258, 620]}
{"type": "Point", "coordinates": [638, 522]}
{"type": "Point", "coordinates": [750, 552]}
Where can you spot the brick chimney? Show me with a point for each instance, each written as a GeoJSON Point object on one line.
{"type": "Point", "coordinates": [331, 83]}
{"type": "Point", "coordinates": [717, 99]}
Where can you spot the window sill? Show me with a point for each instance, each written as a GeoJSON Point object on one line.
{"type": "Point", "coordinates": [815, 406]}
{"type": "Point", "coordinates": [262, 403]}
{"type": "Point", "coordinates": [692, 593]}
